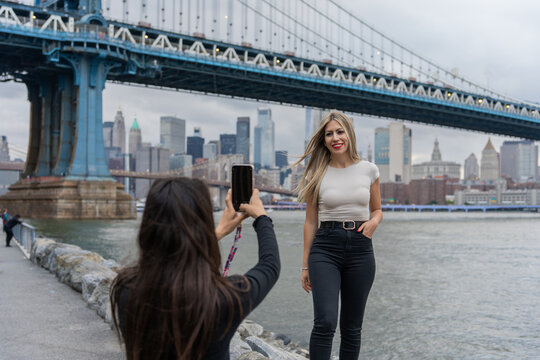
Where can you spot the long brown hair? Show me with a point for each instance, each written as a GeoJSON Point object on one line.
{"type": "Point", "coordinates": [319, 157]}
{"type": "Point", "coordinates": [175, 291]}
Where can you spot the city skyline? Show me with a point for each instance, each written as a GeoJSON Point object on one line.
{"type": "Point", "coordinates": [480, 41]}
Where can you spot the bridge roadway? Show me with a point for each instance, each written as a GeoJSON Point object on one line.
{"type": "Point", "coordinates": [41, 318]}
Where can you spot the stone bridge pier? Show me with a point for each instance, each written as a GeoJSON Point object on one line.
{"type": "Point", "coordinates": [66, 175]}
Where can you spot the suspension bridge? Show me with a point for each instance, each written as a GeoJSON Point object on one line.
{"type": "Point", "coordinates": [311, 53]}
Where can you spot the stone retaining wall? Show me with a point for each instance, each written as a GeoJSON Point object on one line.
{"type": "Point", "coordinates": [92, 275]}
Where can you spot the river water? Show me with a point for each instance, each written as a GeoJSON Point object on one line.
{"type": "Point", "coordinates": [448, 285]}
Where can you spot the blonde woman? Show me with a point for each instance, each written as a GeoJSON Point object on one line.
{"type": "Point", "coordinates": [342, 192]}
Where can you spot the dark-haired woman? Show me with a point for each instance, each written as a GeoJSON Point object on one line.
{"type": "Point", "coordinates": [174, 303]}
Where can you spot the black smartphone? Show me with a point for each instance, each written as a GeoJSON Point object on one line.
{"type": "Point", "coordinates": [241, 184]}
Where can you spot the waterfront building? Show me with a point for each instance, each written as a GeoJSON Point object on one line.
{"type": "Point", "coordinates": [519, 160]}
{"type": "Point", "coordinates": [282, 159]}
{"type": "Point", "coordinates": [135, 137]}
{"type": "Point", "coordinates": [427, 191]}
{"type": "Point", "coordinates": [500, 195]}
{"type": "Point", "coordinates": [394, 193]}
{"type": "Point", "coordinates": [108, 133]}
{"type": "Point", "coordinates": [470, 171]}
{"type": "Point", "coordinates": [119, 132]}
{"type": "Point", "coordinates": [173, 134]}
{"type": "Point", "coordinates": [228, 144]}
{"type": "Point", "coordinates": [489, 164]}
{"type": "Point", "coordinates": [242, 137]}
{"type": "Point", "coordinates": [210, 151]}
{"type": "Point", "coordinates": [264, 141]}
{"type": "Point", "coordinates": [436, 167]}
{"type": "Point", "coordinates": [393, 152]}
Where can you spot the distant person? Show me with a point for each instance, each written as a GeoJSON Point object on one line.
{"type": "Point", "coordinates": [4, 214]}
{"type": "Point", "coordinates": [174, 303]}
{"type": "Point", "coordinates": [8, 228]}
{"type": "Point", "coordinates": [342, 192]}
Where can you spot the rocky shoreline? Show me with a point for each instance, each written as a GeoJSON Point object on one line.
{"type": "Point", "coordinates": [91, 275]}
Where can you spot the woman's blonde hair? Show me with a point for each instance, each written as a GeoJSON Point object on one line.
{"type": "Point", "coordinates": [319, 156]}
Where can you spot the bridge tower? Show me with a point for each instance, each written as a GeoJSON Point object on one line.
{"type": "Point", "coordinates": [66, 174]}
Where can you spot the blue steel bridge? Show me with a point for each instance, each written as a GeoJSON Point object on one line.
{"type": "Point", "coordinates": [297, 52]}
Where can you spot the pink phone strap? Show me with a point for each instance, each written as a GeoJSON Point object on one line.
{"type": "Point", "coordinates": [234, 247]}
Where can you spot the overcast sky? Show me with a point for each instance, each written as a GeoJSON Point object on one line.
{"type": "Point", "coordinates": [494, 43]}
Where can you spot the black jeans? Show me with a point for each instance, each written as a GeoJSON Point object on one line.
{"type": "Point", "coordinates": [9, 235]}
{"type": "Point", "coordinates": [339, 260]}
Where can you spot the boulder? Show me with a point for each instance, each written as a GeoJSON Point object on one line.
{"type": "Point", "coordinates": [111, 264]}
{"type": "Point", "coordinates": [248, 328]}
{"type": "Point", "coordinates": [238, 347]}
{"type": "Point", "coordinates": [270, 351]}
{"type": "Point", "coordinates": [99, 300]}
{"type": "Point", "coordinates": [70, 267]}
{"type": "Point", "coordinates": [252, 355]}
{"type": "Point", "coordinates": [41, 251]}
{"type": "Point", "coordinates": [286, 340]}
{"type": "Point", "coordinates": [95, 279]}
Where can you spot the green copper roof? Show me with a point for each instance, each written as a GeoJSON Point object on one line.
{"type": "Point", "coordinates": [135, 125]}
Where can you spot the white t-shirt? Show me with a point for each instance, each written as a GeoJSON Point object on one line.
{"type": "Point", "coordinates": [344, 193]}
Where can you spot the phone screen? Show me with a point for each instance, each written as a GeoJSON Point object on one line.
{"type": "Point", "coordinates": [242, 184]}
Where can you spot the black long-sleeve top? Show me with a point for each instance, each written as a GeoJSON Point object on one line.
{"type": "Point", "coordinates": [261, 278]}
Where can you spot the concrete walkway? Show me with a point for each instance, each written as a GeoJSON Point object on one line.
{"type": "Point", "coordinates": [42, 318]}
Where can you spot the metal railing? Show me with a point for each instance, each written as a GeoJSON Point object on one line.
{"type": "Point", "coordinates": [25, 235]}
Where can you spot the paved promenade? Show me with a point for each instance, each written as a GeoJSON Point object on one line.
{"type": "Point", "coordinates": [41, 318]}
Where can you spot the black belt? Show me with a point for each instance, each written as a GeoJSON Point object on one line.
{"type": "Point", "coordinates": [345, 224]}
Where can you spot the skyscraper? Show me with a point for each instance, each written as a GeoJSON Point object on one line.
{"type": "Point", "coordinates": [282, 159]}
{"type": "Point", "coordinates": [470, 171]}
{"type": "Point", "coordinates": [228, 143]}
{"type": "Point", "coordinates": [108, 133]}
{"type": "Point", "coordinates": [195, 147]}
{"type": "Point", "coordinates": [150, 159]}
{"type": "Point", "coordinates": [519, 160]}
{"type": "Point", "coordinates": [4, 149]}
{"type": "Point", "coordinates": [242, 137]}
{"type": "Point", "coordinates": [489, 164]}
{"type": "Point", "coordinates": [173, 134]}
{"type": "Point", "coordinates": [119, 132]}
{"type": "Point", "coordinates": [135, 138]}
{"type": "Point", "coordinates": [218, 146]}
{"type": "Point", "coordinates": [313, 121]}
{"type": "Point", "coordinates": [257, 131]}
{"type": "Point", "coordinates": [264, 139]}
{"type": "Point", "coordinates": [210, 151]}
{"type": "Point", "coordinates": [393, 152]}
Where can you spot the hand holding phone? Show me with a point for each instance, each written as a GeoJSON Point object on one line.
{"type": "Point", "coordinates": [241, 184]}
{"type": "Point", "coordinates": [255, 208]}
